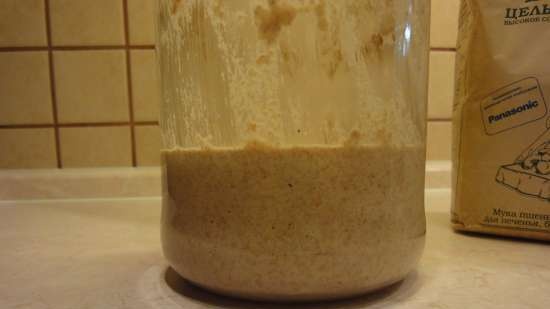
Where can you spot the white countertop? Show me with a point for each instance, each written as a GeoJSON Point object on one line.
{"type": "Point", "coordinates": [106, 254]}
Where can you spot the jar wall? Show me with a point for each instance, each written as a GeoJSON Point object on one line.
{"type": "Point", "coordinates": [293, 73]}
{"type": "Point", "coordinates": [294, 133]}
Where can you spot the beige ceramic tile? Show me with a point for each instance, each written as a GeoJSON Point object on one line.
{"type": "Point", "coordinates": [145, 85]}
{"type": "Point", "coordinates": [27, 148]}
{"type": "Point", "coordinates": [25, 88]}
{"type": "Point", "coordinates": [442, 67]}
{"type": "Point", "coordinates": [87, 22]}
{"type": "Point", "coordinates": [148, 144]}
{"type": "Point", "coordinates": [91, 86]}
{"type": "Point", "coordinates": [96, 146]}
{"type": "Point", "coordinates": [444, 23]}
{"type": "Point", "coordinates": [439, 140]}
{"type": "Point", "coordinates": [22, 23]}
{"type": "Point", "coordinates": [141, 21]}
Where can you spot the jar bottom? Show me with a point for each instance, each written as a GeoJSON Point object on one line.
{"type": "Point", "coordinates": [304, 298]}
{"type": "Point", "coordinates": [259, 279]}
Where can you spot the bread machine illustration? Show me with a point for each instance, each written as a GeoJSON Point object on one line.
{"type": "Point", "coordinates": [530, 173]}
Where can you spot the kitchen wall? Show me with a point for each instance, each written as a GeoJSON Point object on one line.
{"type": "Point", "coordinates": [78, 85]}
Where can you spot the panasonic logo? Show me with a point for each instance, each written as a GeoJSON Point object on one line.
{"type": "Point", "coordinates": [514, 111]}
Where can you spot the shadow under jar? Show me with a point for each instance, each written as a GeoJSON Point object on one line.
{"type": "Point", "coordinates": [294, 144]}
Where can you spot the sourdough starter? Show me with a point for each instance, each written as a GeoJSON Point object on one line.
{"type": "Point", "coordinates": [305, 223]}
{"type": "Point", "coordinates": [293, 223]}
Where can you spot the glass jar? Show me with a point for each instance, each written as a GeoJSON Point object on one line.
{"type": "Point", "coordinates": [294, 144]}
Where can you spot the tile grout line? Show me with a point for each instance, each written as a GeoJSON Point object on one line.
{"type": "Point", "coordinates": [77, 125]}
{"type": "Point", "coordinates": [129, 81]}
{"type": "Point", "coordinates": [122, 47]}
{"type": "Point", "coordinates": [74, 48]}
{"type": "Point", "coordinates": [443, 49]}
{"type": "Point", "coordinates": [53, 92]}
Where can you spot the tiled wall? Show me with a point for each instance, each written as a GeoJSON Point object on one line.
{"type": "Point", "coordinates": [78, 83]}
{"type": "Point", "coordinates": [442, 60]}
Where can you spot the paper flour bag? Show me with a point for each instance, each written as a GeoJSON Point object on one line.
{"type": "Point", "coordinates": [501, 123]}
